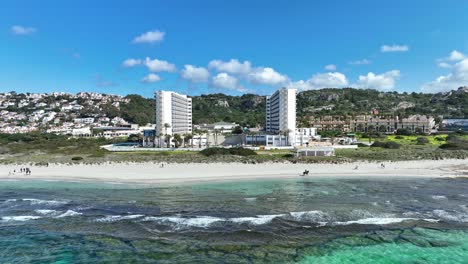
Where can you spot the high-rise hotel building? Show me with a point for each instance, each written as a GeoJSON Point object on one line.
{"type": "Point", "coordinates": [281, 113]}
{"type": "Point", "coordinates": [173, 113]}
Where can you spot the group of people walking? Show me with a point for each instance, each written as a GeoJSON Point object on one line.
{"type": "Point", "coordinates": [25, 171]}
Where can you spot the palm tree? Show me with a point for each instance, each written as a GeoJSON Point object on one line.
{"type": "Point", "coordinates": [286, 134]}
{"type": "Point", "coordinates": [188, 137]}
{"type": "Point", "coordinates": [200, 138]}
{"type": "Point", "coordinates": [359, 127]}
{"type": "Point", "coordinates": [168, 141]}
{"type": "Point", "coordinates": [207, 138]}
{"type": "Point", "coordinates": [166, 126]}
{"type": "Point", "coordinates": [216, 132]}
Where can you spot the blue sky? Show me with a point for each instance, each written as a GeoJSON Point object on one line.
{"type": "Point", "coordinates": [233, 47]}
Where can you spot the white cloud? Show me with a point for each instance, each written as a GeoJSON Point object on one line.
{"type": "Point", "coordinates": [456, 78]}
{"type": "Point", "coordinates": [360, 62]}
{"type": "Point", "coordinates": [266, 75]}
{"type": "Point", "coordinates": [233, 66]}
{"type": "Point", "coordinates": [330, 67]}
{"type": "Point", "coordinates": [394, 48]}
{"type": "Point", "coordinates": [150, 37]}
{"type": "Point", "coordinates": [224, 80]}
{"type": "Point", "coordinates": [455, 56]}
{"type": "Point", "coordinates": [159, 65]}
{"type": "Point", "coordinates": [322, 80]}
{"type": "Point", "coordinates": [151, 78]}
{"type": "Point", "coordinates": [195, 74]}
{"type": "Point", "coordinates": [131, 62]}
{"type": "Point", "coordinates": [444, 65]}
{"type": "Point", "coordinates": [21, 30]}
{"type": "Point", "coordinates": [385, 81]}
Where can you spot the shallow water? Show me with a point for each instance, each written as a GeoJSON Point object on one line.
{"type": "Point", "coordinates": [306, 220]}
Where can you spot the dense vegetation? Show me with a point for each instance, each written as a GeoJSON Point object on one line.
{"type": "Point", "coordinates": [40, 149]}
{"type": "Point", "coordinates": [349, 102]}
{"type": "Point", "coordinates": [228, 151]}
{"type": "Point", "coordinates": [249, 109]}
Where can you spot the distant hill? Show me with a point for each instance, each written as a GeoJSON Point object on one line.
{"type": "Point", "coordinates": [351, 101]}
{"type": "Point", "coordinates": [249, 109]}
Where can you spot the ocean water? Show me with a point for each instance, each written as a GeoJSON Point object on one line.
{"type": "Point", "coordinates": [305, 220]}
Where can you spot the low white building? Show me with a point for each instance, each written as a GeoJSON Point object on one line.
{"type": "Point", "coordinates": [222, 127]}
{"type": "Point", "coordinates": [315, 152]}
{"type": "Point", "coordinates": [300, 137]}
{"type": "Point", "coordinates": [304, 135]}
{"type": "Point", "coordinates": [85, 120]}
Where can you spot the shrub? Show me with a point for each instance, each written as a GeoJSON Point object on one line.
{"type": "Point", "coordinates": [228, 151]}
{"type": "Point", "coordinates": [378, 144]}
{"type": "Point", "coordinates": [77, 158]}
{"type": "Point", "coordinates": [455, 143]}
{"type": "Point", "coordinates": [389, 145]}
{"type": "Point", "coordinates": [449, 146]}
{"type": "Point", "coordinates": [399, 137]}
{"type": "Point", "coordinates": [392, 145]}
{"type": "Point", "coordinates": [439, 139]}
{"type": "Point", "coordinates": [404, 132]}
{"type": "Point", "coordinates": [422, 140]}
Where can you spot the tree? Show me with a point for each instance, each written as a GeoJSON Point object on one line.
{"type": "Point", "coordinates": [188, 137]}
{"type": "Point", "coordinates": [216, 132]}
{"type": "Point", "coordinates": [360, 127]}
{"type": "Point", "coordinates": [177, 140]}
{"type": "Point", "coordinates": [237, 130]}
{"type": "Point", "coordinates": [134, 138]}
{"type": "Point", "coordinates": [382, 128]}
{"type": "Point", "coordinates": [168, 141]}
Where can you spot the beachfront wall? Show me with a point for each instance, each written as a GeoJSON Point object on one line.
{"type": "Point", "coordinates": [315, 152]}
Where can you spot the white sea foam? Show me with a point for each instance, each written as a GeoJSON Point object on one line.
{"type": "Point", "coordinates": [438, 197]}
{"type": "Point", "coordinates": [114, 218]}
{"type": "Point", "coordinates": [199, 221]}
{"type": "Point", "coordinates": [46, 212]}
{"type": "Point", "coordinates": [375, 221]}
{"type": "Point", "coordinates": [250, 199]}
{"type": "Point", "coordinates": [69, 213]}
{"type": "Point", "coordinates": [320, 224]}
{"type": "Point", "coordinates": [46, 202]}
{"type": "Point", "coordinates": [312, 216]}
{"type": "Point", "coordinates": [20, 218]}
{"type": "Point", "coordinates": [431, 220]}
{"type": "Point", "coordinates": [455, 216]}
{"type": "Point", "coordinates": [257, 220]}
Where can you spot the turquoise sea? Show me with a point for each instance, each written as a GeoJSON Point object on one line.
{"type": "Point", "coordinates": [306, 220]}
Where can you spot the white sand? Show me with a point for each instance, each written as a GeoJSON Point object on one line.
{"type": "Point", "coordinates": [151, 173]}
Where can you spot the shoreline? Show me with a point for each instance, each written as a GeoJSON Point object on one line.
{"type": "Point", "coordinates": [179, 173]}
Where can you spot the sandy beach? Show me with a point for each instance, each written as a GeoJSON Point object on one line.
{"type": "Point", "coordinates": [153, 173]}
